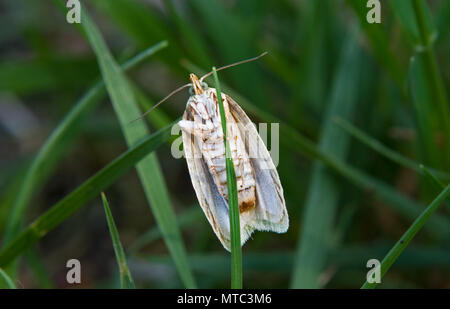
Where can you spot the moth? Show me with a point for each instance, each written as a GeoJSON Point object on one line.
{"type": "Point", "coordinates": [260, 194]}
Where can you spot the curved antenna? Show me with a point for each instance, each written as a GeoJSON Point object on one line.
{"type": "Point", "coordinates": [201, 79]}
{"type": "Point", "coordinates": [233, 64]}
{"type": "Point", "coordinates": [165, 98]}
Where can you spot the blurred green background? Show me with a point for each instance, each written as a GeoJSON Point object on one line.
{"type": "Point", "coordinates": [326, 68]}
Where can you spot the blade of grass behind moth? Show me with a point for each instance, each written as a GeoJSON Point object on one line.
{"type": "Point", "coordinates": [214, 18]}
{"type": "Point", "coordinates": [425, 114]}
{"type": "Point", "coordinates": [39, 270]}
{"type": "Point", "coordinates": [126, 281]}
{"type": "Point", "coordinates": [432, 176]}
{"type": "Point", "coordinates": [192, 41]}
{"type": "Point", "coordinates": [149, 171]}
{"type": "Point", "coordinates": [379, 43]}
{"type": "Point", "coordinates": [233, 203]}
{"type": "Point", "coordinates": [346, 257]}
{"type": "Point", "coordinates": [404, 11]}
{"type": "Point", "coordinates": [88, 190]}
{"type": "Point", "coordinates": [8, 193]}
{"type": "Point", "coordinates": [406, 207]}
{"type": "Point", "coordinates": [417, 225]}
{"type": "Point", "coordinates": [427, 87]}
{"type": "Point", "coordinates": [309, 84]}
{"type": "Point", "coordinates": [143, 24]}
{"type": "Point", "coordinates": [321, 202]}
{"type": "Point", "coordinates": [62, 136]}
{"type": "Point", "coordinates": [385, 151]}
{"type": "Point", "coordinates": [443, 23]}
{"type": "Point", "coordinates": [435, 180]}
{"type": "Point", "coordinates": [184, 219]}
{"type": "Point", "coordinates": [53, 148]}
{"type": "Point", "coordinates": [6, 281]}
{"type": "Point", "coordinates": [297, 142]}
{"type": "Point", "coordinates": [158, 118]}
{"type": "Point", "coordinates": [18, 76]}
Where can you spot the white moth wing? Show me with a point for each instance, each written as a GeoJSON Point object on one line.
{"type": "Point", "coordinates": [270, 213]}
{"type": "Point", "coordinates": [213, 204]}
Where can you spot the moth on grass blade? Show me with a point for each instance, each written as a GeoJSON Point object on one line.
{"type": "Point", "coordinates": [260, 194]}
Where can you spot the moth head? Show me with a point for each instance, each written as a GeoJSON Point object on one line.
{"type": "Point", "coordinates": [197, 85]}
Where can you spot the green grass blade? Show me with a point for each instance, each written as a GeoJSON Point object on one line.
{"type": "Point", "coordinates": [417, 225]}
{"type": "Point", "coordinates": [149, 171]}
{"type": "Point", "coordinates": [80, 196]}
{"type": "Point", "coordinates": [427, 121]}
{"type": "Point", "coordinates": [157, 118]}
{"type": "Point", "coordinates": [379, 42]}
{"type": "Point", "coordinates": [309, 82]}
{"type": "Point", "coordinates": [408, 208]}
{"type": "Point", "coordinates": [9, 191]}
{"type": "Point", "coordinates": [233, 203]}
{"type": "Point", "coordinates": [405, 12]}
{"type": "Point", "coordinates": [439, 184]}
{"type": "Point", "coordinates": [427, 87]}
{"type": "Point", "coordinates": [63, 135]}
{"type": "Point", "coordinates": [214, 17]}
{"type": "Point", "coordinates": [191, 38]}
{"type": "Point", "coordinates": [19, 75]}
{"type": "Point", "coordinates": [144, 55]}
{"type": "Point", "coordinates": [321, 202]}
{"type": "Point", "coordinates": [427, 34]}
{"type": "Point", "coordinates": [428, 118]}
{"type": "Point", "coordinates": [392, 155]}
{"type": "Point", "coordinates": [432, 176]}
{"type": "Point", "coordinates": [126, 281]}
{"type": "Point", "coordinates": [6, 280]}
{"type": "Point", "coordinates": [346, 257]}
{"type": "Point", "coordinates": [41, 273]}
{"type": "Point", "coordinates": [144, 25]}
{"type": "Point", "coordinates": [443, 22]}
{"type": "Point", "coordinates": [385, 151]}
{"type": "Point", "coordinates": [185, 219]}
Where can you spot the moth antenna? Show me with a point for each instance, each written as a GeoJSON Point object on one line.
{"type": "Point", "coordinates": [157, 104]}
{"type": "Point", "coordinates": [201, 80]}
{"type": "Point", "coordinates": [234, 64]}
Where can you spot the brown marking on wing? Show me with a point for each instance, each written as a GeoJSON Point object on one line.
{"type": "Point", "coordinates": [247, 205]}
